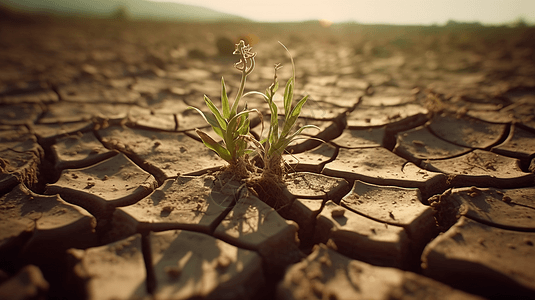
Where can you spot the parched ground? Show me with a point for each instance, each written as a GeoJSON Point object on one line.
{"type": "Point", "coordinates": [424, 186]}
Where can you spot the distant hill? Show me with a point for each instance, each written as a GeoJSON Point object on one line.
{"type": "Point", "coordinates": [134, 9]}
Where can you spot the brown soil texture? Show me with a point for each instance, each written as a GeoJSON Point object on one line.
{"type": "Point", "coordinates": [423, 186]}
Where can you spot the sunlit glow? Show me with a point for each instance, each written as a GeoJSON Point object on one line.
{"type": "Point", "coordinates": [325, 23]}
{"type": "Point", "coordinates": [376, 11]}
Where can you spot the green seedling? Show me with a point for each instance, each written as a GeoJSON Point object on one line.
{"type": "Point", "coordinates": [233, 127]}
{"type": "Point", "coordinates": [228, 123]}
{"type": "Point", "coordinates": [277, 140]}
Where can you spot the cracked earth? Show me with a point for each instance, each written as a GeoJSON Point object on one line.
{"type": "Point", "coordinates": [424, 186]}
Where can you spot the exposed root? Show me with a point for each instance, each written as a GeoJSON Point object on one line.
{"type": "Point", "coordinates": [238, 170]}
{"type": "Point", "coordinates": [269, 185]}
{"type": "Point", "coordinates": [266, 183]}
{"type": "Point", "coordinates": [274, 167]}
{"type": "Point", "coordinates": [270, 190]}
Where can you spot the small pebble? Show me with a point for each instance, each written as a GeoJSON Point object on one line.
{"type": "Point", "coordinates": [325, 260]}
{"type": "Point", "coordinates": [338, 212]}
{"type": "Point", "coordinates": [173, 271]}
{"type": "Point", "coordinates": [223, 262]}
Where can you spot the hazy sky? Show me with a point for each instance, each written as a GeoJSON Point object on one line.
{"type": "Point", "coordinates": [376, 11]}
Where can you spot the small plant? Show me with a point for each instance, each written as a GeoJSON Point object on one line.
{"type": "Point", "coordinates": [269, 186]}
{"type": "Point", "coordinates": [277, 140]}
{"type": "Point", "coordinates": [229, 124]}
{"type": "Point", "coordinates": [233, 127]}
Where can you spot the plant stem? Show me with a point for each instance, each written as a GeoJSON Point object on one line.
{"type": "Point", "coordinates": [242, 83]}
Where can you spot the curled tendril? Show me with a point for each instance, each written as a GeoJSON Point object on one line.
{"type": "Point", "coordinates": [277, 67]}
{"type": "Point", "coordinates": [246, 63]}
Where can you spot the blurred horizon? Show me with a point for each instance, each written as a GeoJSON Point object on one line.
{"type": "Point", "coordinates": [372, 12]}
{"type": "Point", "coordinates": [394, 12]}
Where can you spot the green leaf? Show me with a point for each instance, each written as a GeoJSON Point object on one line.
{"type": "Point", "coordinates": [224, 100]}
{"type": "Point", "coordinates": [216, 112]}
{"type": "Point", "coordinates": [229, 143]}
{"type": "Point", "coordinates": [236, 121]}
{"type": "Point", "coordinates": [292, 117]}
{"type": "Point", "coordinates": [273, 134]}
{"type": "Point", "coordinates": [241, 145]}
{"type": "Point", "coordinates": [298, 132]}
{"type": "Point", "coordinates": [215, 125]}
{"type": "Point", "coordinates": [231, 135]}
{"type": "Point", "coordinates": [284, 142]}
{"type": "Point", "coordinates": [215, 146]}
{"type": "Point", "coordinates": [244, 129]}
{"type": "Point", "coordinates": [234, 108]}
{"type": "Point", "coordinates": [276, 87]}
{"type": "Point", "coordinates": [291, 59]}
{"type": "Point", "coordinates": [242, 120]}
{"type": "Point", "coordinates": [257, 93]}
{"type": "Point", "coordinates": [288, 96]}
{"type": "Point", "coordinates": [209, 119]}
{"type": "Point", "coordinates": [231, 138]}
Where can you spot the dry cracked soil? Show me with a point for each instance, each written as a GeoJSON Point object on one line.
{"type": "Point", "coordinates": [423, 186]}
